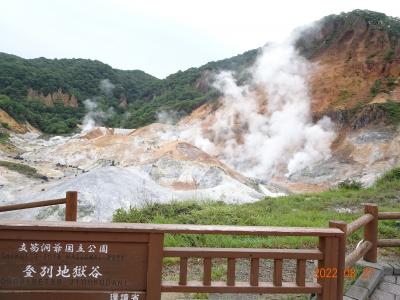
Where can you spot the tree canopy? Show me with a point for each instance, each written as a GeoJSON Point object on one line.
{"type": "Point", "coordinates": [145, 95]}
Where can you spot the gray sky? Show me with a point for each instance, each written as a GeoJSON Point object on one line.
{"type": "Point", "coordinates": [159, 37]}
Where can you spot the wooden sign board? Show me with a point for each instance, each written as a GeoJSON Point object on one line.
{"type": "Point", "coordinates": [64, 264]}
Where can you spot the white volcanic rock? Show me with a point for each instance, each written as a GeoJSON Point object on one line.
{"type": "Point", "coordinates": [105, 189]}
{"type": "Point", "coordinates": [114, 168]}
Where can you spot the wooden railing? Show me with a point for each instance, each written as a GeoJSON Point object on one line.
{"type": "Point", "coordinates": [368, 247]}
{"type": "Point", "coordinates": [330, 252]}
{"type": "Point", "coordinates": [70, 201]}
{"type": "Point", "coordinates": [388, 242]}
{"type": "Point", "coordinates": [326, 255]}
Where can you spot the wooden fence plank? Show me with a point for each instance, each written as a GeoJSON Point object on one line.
{"type": "Point", "coordinates": [230, 273]}
{"type": "Point", "coordinates": [183, 270]}
{"type": "Point", "coordinates": [254, 271]}
{"type": "Point", "coordinates": [207, 271]}
{"type": "Point", "coordinates": [301, 272]}
{"type": "Point", "coordinates": [154, 266]}
{"type": "Point", "coordinates": [277, 277]}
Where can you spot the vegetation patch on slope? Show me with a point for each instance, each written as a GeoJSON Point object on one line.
{"type": "Point", "coordinates": [54, 120]}
{"type": "Point", "coordinates": [4, 137]}
{"type": "Point", "coordinates": [22, 169]}
{"type": "Point", "coordinates": [334, 26]}
{"type": "Point", "coordinates": [393, 111]}
{"type": "Point", "coordinates": [310, 210]}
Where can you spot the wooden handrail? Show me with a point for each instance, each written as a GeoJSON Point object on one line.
{"type": "Point", "coordinates": [367, 249]}
{"type": "Point", "coordinates": [173, 228]}
{"type": "Point", "coordinates": [70, 201]}
{"type": "Point", "coordinates": [389, 243]}
{"type": "Point", "coordinates": [12, 207]}
{"type": "Point", "coordinates": [358, 223]}
{"type": "Point", "coordinates": [389, 216]}
{"type": "Point", "coordinates": [357, 254]}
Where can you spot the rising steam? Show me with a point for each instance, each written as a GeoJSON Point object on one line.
{"type": "Point", "coordinates": [107, 87]}
{"type": "Point", "coordinates": [265, 126]}
{"type": "Point", "coordinates": [95, 116]}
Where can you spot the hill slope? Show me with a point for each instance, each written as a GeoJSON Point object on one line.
{"type": "Point", "coordinates": [358, 54]}
{"type": "Point", "coordinates": [134, 97]}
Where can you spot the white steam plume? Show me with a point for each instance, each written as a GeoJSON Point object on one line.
{"type": "Point", "coordinates": [168, 117]}
{"type": "Point", "coordinates": [94, 116]}
{"type": "Point", "coordinates": [265, 127]}
{"type": "Point", "coordinates": [106, 87]}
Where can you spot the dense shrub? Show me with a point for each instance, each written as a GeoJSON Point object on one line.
{"type": "Point", "coordinates": [389, 176]}
{"type": "Point", "coordinates": [350, 185]}
{"type": "Point", "coordinates": [54, 120]}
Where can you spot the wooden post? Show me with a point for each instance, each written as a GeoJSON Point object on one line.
{"type": "Point", "coordinates": [301, 272]}
{"type": "Point", "coordinates": [341, 255]}
{"type": "Point", "coordinates": [207, 271]}
{"type": "Point", "coordinates": [183, 264]}
{"type": "Point", "coordinates": [277, 280]}
{"type": "Point", "coordinates": [230, 273]}
{"type": "Point", "coordinates": [71, 206]}
{"type": "Point", "coordinates": [371, 232]}
{"type": "Point", "coordinates": [154, 266]}
{"type": "Point", "coordinates": [254, 271]}
{"type": "Point", "coordinates": [329, 246]}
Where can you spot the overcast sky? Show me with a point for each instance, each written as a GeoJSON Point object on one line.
{"type": "Point", "coordinates": [158, 37]}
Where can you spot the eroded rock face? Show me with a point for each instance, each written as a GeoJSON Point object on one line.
{"type": "Point", "coordinates": [351, 53]}
{"type": "Point", "coordinates": [5, 118]}
{"type": "Point", "coordinates": [123, 102]}
{"type": "Point", "coordinates": [50, 99]}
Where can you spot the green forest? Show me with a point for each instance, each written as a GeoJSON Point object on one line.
{"type": "Point", "coordinates": [146, 95]}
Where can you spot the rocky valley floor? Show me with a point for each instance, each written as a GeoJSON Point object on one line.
{"type": "Point", "coordinates": [120, 168]}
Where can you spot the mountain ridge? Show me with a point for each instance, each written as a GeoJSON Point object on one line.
{"type": "Point", "coordinates": [358, 54]}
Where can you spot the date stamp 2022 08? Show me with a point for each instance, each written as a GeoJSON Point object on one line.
{"type": "Point", "coordinates": [331, 273]}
